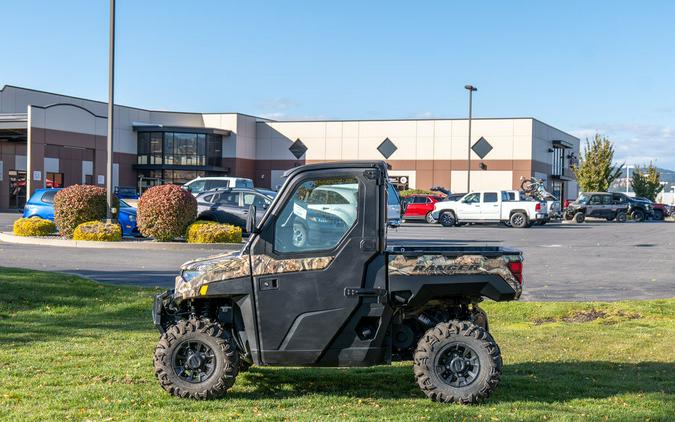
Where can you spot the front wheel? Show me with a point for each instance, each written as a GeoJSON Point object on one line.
{"type": "Point", "coordinates": [457, 362]}
{"type": "Point", "coordinates": [447, 219]}
{"type": "Point", "coordinates": [658, 215]}
{"type": "Point", "coordinates": [429, 218]}
{"type": "Point", "coordinates": [197, 359]}
{"type": "Point", "coordinates": [579, 217]}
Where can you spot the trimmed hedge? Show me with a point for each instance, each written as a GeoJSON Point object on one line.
{"type": "Point", "coordinates": [211, 232]}
{"type": "Point", "coordinates": [33, 226]}
{"type": "Point", "coordinates": [165, 212]}
{"type": "Point", "coordinates": [409, 192]}
{"type": "Point", "coordinates": [79, 204]}
{"type": "Point", "coordinates": [98, 231]}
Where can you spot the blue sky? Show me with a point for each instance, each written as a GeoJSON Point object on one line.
{"type": "Point", "coordinates": [582, 66]}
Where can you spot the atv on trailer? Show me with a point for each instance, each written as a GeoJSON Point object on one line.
{"type": "Point", "coordinates": [318, 284]}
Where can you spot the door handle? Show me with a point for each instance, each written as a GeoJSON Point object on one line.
{"type": "Point", "coordinates": [359, 292]}
{"type": "Point", "coordinates": [268, 283]}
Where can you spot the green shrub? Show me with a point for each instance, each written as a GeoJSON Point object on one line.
{"type": "Point", "coordinates": [33, 226]}
{"type": "Point", "coordinates": [165, 212]}
{"type": "Point", "coordinates": [78, 204]}
{"type": "Point", "coordinates": [409, 192]}
{"type": "Point", "coordinates": [212, 232]}
{"type": "Point", "coordinates": [98, 231]}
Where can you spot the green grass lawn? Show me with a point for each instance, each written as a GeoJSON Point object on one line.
{"type": "Point", "coordinates": [74, 349]}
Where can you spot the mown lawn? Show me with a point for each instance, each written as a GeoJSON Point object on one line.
{"type": "Point", "coordinates": [73, 349]}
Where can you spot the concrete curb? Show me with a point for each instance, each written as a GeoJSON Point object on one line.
{"type": "Point", "coordinates": [125, 244]}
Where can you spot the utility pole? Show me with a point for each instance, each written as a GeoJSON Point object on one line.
{"type": "Point", "coordinates": [111, 112]}
{"type": "Point", "coordinates": [471, 89]}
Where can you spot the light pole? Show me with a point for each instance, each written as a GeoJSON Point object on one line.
{"type": "Point", "coordinates": [471, 89]}
{"type": "Point", "coordinates": [111, 106]}
{"type": "Point", "coordinates": [628, 167]}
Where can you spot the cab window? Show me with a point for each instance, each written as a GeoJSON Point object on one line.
{"type": "Point", "coordinates": [490, 197]}
{"type": "Point", "coordinates": [319, 214]}
{"type": "Point", "coordinates": [472, 198]}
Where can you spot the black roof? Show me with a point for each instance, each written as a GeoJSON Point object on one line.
{"type": "Point", "coordinates": [338, 165]}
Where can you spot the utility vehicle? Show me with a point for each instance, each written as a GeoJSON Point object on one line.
{"type": "Point", "coordinates": [346, 296]}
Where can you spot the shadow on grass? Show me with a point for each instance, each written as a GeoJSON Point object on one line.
{"type": "Point", "coordinates": [530, 381]}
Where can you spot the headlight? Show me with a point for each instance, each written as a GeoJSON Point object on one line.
{"type": "Point", "coordinates": [132, 218]}
{"type": "Point", "coordinates": [189, 275]}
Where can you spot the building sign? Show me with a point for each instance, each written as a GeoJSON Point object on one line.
{"type": "Point", "coordinates": [399, 182]}
{"type": "Point", "coordinates": [37, 175]}
{"type": "Point", "coordinates": [101, 179]}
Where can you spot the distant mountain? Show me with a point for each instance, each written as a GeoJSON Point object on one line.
{"type": "Point", "coordinates": [667, 176]}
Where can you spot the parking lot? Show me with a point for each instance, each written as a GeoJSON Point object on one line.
{"type": "Point", "coordinates": [569, 262]}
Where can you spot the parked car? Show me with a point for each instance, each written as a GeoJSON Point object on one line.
{"type": "Point", "coordinates": [41, 204]}
{"type": "Point", "coordinates": [203, 184]}
{"type": "Point", "coordinates": [395, 206]}
{"type": "Point", "coordinates": [420, 207]}
{"type": "Point", "coordinates": [491, 207]}
{"type": "Point", "coordinates": [610, 206]}
{"type": "Point", "coordinates": [231, 205]}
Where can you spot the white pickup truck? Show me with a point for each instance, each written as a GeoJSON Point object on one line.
{"type": "Point", "coordinates": [508, 206]}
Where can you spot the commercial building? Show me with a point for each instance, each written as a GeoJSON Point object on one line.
{"type": "Point", "coordinates": [53, 140]}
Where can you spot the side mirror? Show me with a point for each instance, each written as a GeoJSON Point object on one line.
{"type": "Point", "coordinates": [188, 188]}
{"type": "Point", "coordinates": [251, 220]}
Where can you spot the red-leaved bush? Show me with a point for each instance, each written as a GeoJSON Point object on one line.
{"type": "Point", "coordinates": [78, 204]}
{"type": "Point", "coordinates": [165, 212]}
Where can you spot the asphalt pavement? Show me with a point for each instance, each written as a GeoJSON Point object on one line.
{"type": "Point", "coordinates": [563, 262]}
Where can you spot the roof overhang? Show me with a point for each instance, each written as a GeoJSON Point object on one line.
{"type": "Point", "coordinates": [154, 127]}
{"type": "Point", "coordinates": [13, 126]}
{"type": "Point", "coordinates": [562, 144]}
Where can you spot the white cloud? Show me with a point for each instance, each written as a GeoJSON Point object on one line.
{"type": "Point", "coordinates": [636, 143]}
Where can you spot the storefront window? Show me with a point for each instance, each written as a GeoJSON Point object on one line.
{"type": "Point", "coordinates": [181, 149]}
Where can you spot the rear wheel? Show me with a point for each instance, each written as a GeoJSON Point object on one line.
{"type": "Point", "coordinates": [457, 362]}
{"type": "Point", "coordinates": [621, 217]}
{"type": "Point", "coordinates": [447, 219]}
{"type": "Point", "coordinates": [429, 218]}
{"type": "Point", "coordinates": [518, 220]}
{"type": "Point", "coordinates": [638, 215]}
{"type": "Point", "coordinates": [196, 359]}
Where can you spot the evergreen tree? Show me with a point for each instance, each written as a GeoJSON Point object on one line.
{"type": "Point", "coordinates": [595, 171]}
{"type": "Point", "coordinates": [646, 182]}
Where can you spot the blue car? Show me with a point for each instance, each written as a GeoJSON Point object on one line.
{"type": "Point", "coordinates": [41, 204]}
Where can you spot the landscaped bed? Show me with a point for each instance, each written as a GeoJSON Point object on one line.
{"type": "Point", "coordinates": [74, 349]}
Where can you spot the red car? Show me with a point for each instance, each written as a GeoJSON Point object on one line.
{"type": "Point", "coordinates": [420, 206]}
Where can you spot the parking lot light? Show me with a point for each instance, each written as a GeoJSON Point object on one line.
{"type": "Point", "coordinates": [471, 90]}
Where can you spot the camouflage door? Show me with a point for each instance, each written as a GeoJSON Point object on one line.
{"type": "Point", "coordinates": [316, 241]}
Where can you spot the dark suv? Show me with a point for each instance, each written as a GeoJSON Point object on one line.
{"type": "Point", "coordinates": [605, 205]}
{"type": "Point", "coordinates": [231, 205]}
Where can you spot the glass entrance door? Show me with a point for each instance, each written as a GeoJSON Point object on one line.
{"type": "Point", "coordinates": [17, 189]}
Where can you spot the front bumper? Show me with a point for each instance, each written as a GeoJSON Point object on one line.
{"type": "Point", "coordinates": [158, 309]}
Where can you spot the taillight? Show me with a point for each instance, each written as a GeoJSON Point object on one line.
{"type": "Point", "coordinates": [567, 203]}
{"type": "Point", "coordinates": [538, 206]}
{"type": "Point", "coordinates": [516, 268]}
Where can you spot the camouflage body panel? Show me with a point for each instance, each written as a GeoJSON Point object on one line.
{"type": "Point", "coordinates": [236, 265]}
{"type": "Point", "coordinates": [215, 268]}
{"type": "Point", "coordinates": [466, 264]}
{"type": "Point", "coordinates": [263, 264]}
